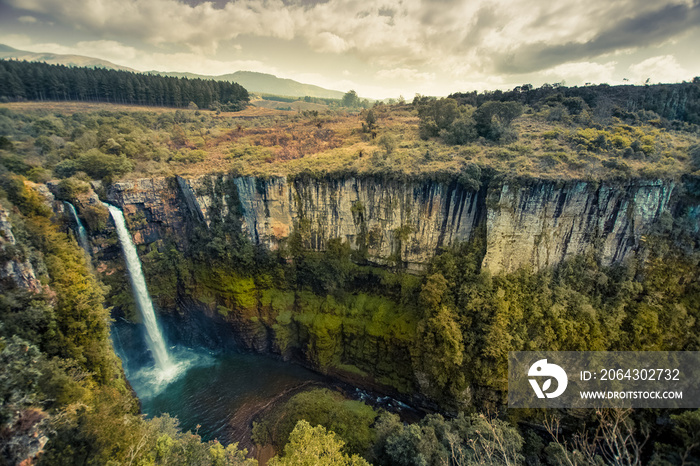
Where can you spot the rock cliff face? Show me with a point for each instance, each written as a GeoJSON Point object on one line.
{"type": "Point", "coordinates": [153, 207]}
{"type": "Point", "coordinates": [543, 224]}
{"type": "Point", "coordinates": [537, 224]}
{"type": "Point", "coordinates": [15, 270]}
{"type": "Point", "coordinates": [387, 220]}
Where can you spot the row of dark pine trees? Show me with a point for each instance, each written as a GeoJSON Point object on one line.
{"type": "Point", "coordinates": [21, 80]}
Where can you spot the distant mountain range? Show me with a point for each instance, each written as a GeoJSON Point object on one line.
{"type": "Point", "coordinates": [254, 82]}
{"type": "Point", "coordinates": [60, 59]}
{"type": "Point", "coordinates": [264, 84]}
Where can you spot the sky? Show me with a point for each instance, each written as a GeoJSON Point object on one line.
{"type": "Point", "coordinates": [381, 49]}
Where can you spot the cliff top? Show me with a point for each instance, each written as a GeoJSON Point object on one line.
{"type": "Point", "coordinates": [552, 140]}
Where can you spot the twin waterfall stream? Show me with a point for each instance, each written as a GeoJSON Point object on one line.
{"type": "Point", "coordinates": [81, 232]}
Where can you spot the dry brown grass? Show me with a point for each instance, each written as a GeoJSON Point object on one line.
{"type": "Point", "coordinates": [263, 141]}
{"type": "Point", "coordinates": [68, 108]}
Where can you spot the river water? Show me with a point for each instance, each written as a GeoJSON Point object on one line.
{"type": "Point", "coordinates": [222, 387]}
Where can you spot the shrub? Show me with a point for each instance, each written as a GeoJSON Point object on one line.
{"type": "Point", "coordinates": [69, 188]}
{"type": "Point", "coordinates": [96, 216]}
{"type": "Point", "coordinates": [493, 119]}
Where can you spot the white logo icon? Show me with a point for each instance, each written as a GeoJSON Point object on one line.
{"type": "Point", "coordinates": [542, 369]}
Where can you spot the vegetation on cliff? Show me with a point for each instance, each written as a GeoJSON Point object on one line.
{"type": "Point", "coordinates": [63, 396]}
{"type": "Point", "coordinates": [445, 334]}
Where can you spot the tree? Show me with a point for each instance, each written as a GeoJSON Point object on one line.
{"type": "Point", "coordinates": [314, 445]}
{"type": "Point", "coordinates": [351, 99]}
{"type": "Point", "coordinates": [435, 115]}
{"type": "Point", "coordinates": [442, 351]}
{"type": "Point", "coordinates": [370, 123]}
{"type": "Point", "coordinates": [493, 119]}
{"type": "Point", "coordinates": [617, 441]}
{"type": "Point", "coordinates": [463, 441]}
{"type": "Point", "coordinates": [685, 448]}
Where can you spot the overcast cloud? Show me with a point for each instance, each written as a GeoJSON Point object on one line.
{"type": "Point", "coordinates": [382, 49]}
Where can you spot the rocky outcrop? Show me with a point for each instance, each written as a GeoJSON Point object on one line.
{"type": "Point", "coordinates": [15, 270]}
{"type": "Point", "coordinates": [538, 224]}
{"type": "Point", "coordinates": [153, 208]}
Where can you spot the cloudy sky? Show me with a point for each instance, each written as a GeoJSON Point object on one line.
{"type": "Point", "coordinates": [380, 48]}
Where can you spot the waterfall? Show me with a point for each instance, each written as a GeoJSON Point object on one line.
{"type": "Point", "coordinates": [82, 233]}
{"type": "Point", "coordinates": [154, 337]}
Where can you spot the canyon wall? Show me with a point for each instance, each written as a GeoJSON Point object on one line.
{"type": "Point", "coordinates": [15, 269]}
{"type": "Point", "coordinates": [536, 224]}
{"type": "Point", "coordinates": [368, 331]}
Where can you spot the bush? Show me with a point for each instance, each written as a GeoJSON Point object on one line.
{"type": "Point", "coordinates": [493, 119]}
{"type": "Point", "coordinates": [69, 188]}
{"type": "Point", "coordinates": [435, 115]}
{"type": "Point", "coordinates": [96, 164]}
{"type": "Point", "coordinates": [350, 420]}
{"type": "Point", "coordinates": [461, 131]}
{"type": "Point", "coordinates": [96, 216]}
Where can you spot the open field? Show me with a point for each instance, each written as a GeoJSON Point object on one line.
{"type": "Point", "coordinates": [158, 141]}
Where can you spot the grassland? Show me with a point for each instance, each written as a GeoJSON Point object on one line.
{"type": "Point", "coordinates": [268, 142]}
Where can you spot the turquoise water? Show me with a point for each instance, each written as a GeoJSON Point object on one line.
{"type": "Point", "coordinates": [221, 393]}
{"type": "Point", "coordinates": [218, 388]}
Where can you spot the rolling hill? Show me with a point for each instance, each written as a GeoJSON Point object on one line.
{"type": "Point", "coordinates": [7, 52]}
{"type": "Point", "coordinates": [265, 84]}
{"type": "Point", "coordinates": [254, 82]}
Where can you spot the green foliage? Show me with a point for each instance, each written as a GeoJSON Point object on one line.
{"type": "Point", "coordinates": [350, 420]}
{"type": "Point", "coordinates": [105, 435]}
{"type": "Point", "coordinates": [15, 163]}
{"type": "Point", "coordinates": [315, 445]}
{"type": "Point", "coordinates": [387, 142]}
{"type": "Point", "coordinates": [350, 99]}
{"type": "Point", "coordinates": [461, 125]}
{"type": "Point", "coordinates": [164, 268]}
{"type": "Point", "coordinates": [370, 123]}
{"type": "Point", "coordinates": [27, 200]}
{"type": "Point", "coordinates": [579, 306]}
{"type": "Point", "coordinates": [189, 156]}
{"type": "Point", "coordinates": [465, 440]}
{"type": "Point", "coordinates": [685, 447]}
{"type": "Point", "coordinates": [20, 82]}
{"type": "Point", "coordinates": [461, 131]}
{"type": "Point", "coordinates": [19, 379]}
{"type": "Point", "coordinates": [96, 216]}
{"type": "Point", "coordinates": [60, 376]}
{"type": "Point", "coordinates": [251, 152]}
{"type": "Point", "coordinates": [96, 164]}
{"type": "Point", "coordinates": [70, 188]}
{"type": "Point", "coordinates": [493, 119]}
{"type": "Point", "coordinates": [694, 153]}
{"type": "Point", "coordinates": [435, 115]}
{"type": "Point", "coordinates": [440, 353]}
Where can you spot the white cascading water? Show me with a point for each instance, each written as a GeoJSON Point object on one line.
{"type": "Point", "coordinates": [166, 369]}
{"type": "Point", "coordinates": [82, 233]}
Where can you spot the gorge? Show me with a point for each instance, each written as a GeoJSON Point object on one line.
{"type": "Point", "coordinates": [402, 225]}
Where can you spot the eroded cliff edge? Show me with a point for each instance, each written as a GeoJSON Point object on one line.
{"type": "Point", "coordinates": [535, 223]}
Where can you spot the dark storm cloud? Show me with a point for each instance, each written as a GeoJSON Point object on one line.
{"type": "Point", "coordinates": [645, 30]}
{"type": "Point", "coordinates": [427, 46]}
{"type": "Point", "coordinates": [220, 4]}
